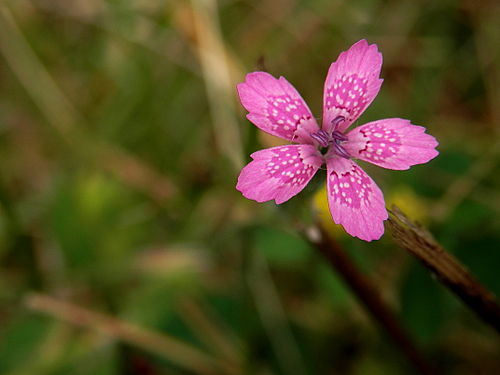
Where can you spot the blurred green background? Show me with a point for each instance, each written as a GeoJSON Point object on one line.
{"type": "Point", "coordinates": [121, 139]}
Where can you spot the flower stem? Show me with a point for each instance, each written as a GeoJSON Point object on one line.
{"type": "Point", "coordinates": [368, 295]}
{"type": "Point", "coordinates": [449, 271]}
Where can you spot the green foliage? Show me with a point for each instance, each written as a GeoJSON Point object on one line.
{"type": "Point", "coordinates": [281, 248]}
{"type": "Point", "coordinates": [105, 104]}
{"type": "Point", "coordinates": [21, 339]}
{"type": "Point", "coordinates": [422, 304]}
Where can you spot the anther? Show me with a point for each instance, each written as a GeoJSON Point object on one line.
{"type": "Point", "coordinates": [338, 136]}
{"type": "Point", "coordinates": [340, 150]}
{"type": "Point", "coordinates": [333, 139]}
{"type": "Point", "coordinates": [321, 137]}
{"type": "Point", "coordinates": [336, 121]}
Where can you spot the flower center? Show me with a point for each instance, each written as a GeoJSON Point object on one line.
{"type": "Point", "coordinates": [335, 139]}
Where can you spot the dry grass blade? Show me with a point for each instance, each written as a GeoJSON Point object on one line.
{"type": "Point", "coordinates": [466, 183]}
{"type": "Point", "coordinates": [273, 317]}
{"type": "Point", "coordinates": [148, 34]}
{"type": "Point", "coordinates": [61, 114]}
{"type": "Point", "coordinates": [135, 173]}
{"type": "Point", "coordinates": [420, 243]}
{"type": "Point", "coordinates": [210, 331]}
{"type": "Point", "coordinates": [217, 76]}
{"type": "Point", "coordinates": [32, 75]}
{"type": "Point", "coordinates": [168, 347]}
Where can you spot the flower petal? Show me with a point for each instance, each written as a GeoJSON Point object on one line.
{"type": "Point", "coordinates": [392, 143]}
{"type": "Point", "coordinates": [355, 200]}
{"type": "Point", "coordinates": [351, 84]}
{"type": "Point", "coordinates": [276, 107]}
{"type": "Point", "coordinates": [279, 173]}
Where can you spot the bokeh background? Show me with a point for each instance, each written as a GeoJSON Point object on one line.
{"type": "Point", "coordinates": [121, 139]}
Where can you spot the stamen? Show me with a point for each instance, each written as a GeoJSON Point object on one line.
{"type": "Point", "coordinates": [340, 150]}
{"type": "Point", "coordinates": [338, 136]}
{"type": "Point", "coordinates": [334, 140]}
{"type": "Point", "coordinates": [321, 137]}
{"type": "Point", "coordinates": [336, 122]}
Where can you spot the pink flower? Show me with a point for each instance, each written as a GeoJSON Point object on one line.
{"type": "Point", "coordinates": [279, 173]}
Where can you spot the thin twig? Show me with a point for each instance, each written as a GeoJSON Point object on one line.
{"type": "Point", "coordinates": [368, 295]}
{"type": "Point", "coordinates": [168, 347]}
{"type": "Point", "coordinates": [449, 271]}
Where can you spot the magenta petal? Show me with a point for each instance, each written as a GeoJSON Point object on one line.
{"type": "Point", "coordinates": [355, 201]}
{"type": "Point", "coordinates": [351, 84]}
{"type": "Point", "coordinates": [392, 143]}
{"type": "Point", "coordinates": [276, 107]}
{"type": "Point", "coordinates": [278, 173]}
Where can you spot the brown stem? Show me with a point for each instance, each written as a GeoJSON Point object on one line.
{"type": "Point", "coordinates": [449, 271]}
{"type": "Point", "coordinates": [368, 295]}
